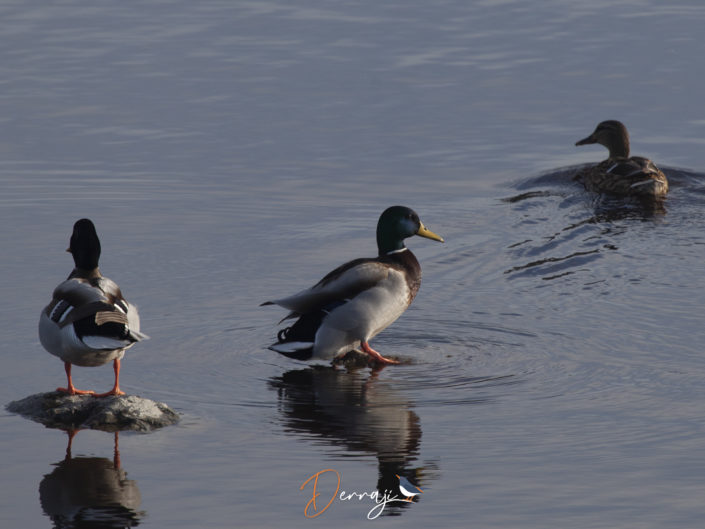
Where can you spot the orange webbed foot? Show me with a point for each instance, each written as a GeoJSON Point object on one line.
{"type": "Point", "coordinates": [376, 356]}
{"type": "Point", "coordinates": [113, 392]}
{"type": "Point", "coordinates": [74, 391]}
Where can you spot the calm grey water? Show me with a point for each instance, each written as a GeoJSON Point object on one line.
{"type": "Point", "coordinates": [231, 152]}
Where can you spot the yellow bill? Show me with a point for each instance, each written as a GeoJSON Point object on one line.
{"type": "Point", "coordinates": [425, 232]}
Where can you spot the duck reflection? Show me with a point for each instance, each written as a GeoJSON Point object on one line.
{"type": "Point", "coordinates": [90, 492]}
{"type": "Point", "coordinates": [360, 413]}
{"type": "Point", "coordinates": [564, 231]}
{"type": "Point", "coordinates": [600, 208]}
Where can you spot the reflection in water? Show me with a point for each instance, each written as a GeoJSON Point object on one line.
{"type": "Point", "coordinates": [606, 207]}
{"type": "Point", "coordinates": [359, 413]}
{"type": "Point", "coordinates": [90, 492]}
{"type": "Point", "coordinates": [593, 221]}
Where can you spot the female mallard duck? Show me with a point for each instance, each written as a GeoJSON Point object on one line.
{"type": "Point", "coordinates": [88, 322]}
{"type": "Point", "coordinates": [357, 300]}
{"type": "Point", "coordinates": [619, 174]}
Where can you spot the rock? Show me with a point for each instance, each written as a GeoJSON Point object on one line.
{"type": "Point", "coordinates": [353, 360]}
{"type": "Point", "coordinates": [127, 412]}
{"type": "Point", "coordinates": [356, 359]}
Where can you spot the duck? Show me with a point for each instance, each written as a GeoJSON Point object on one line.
{"type": "Point", "coordinates": [621, 174]}
{"type": "Point", "coordinates": [357, 300]}
{"type": "Point", "coordinates": [88, 321]}
{"type": "Point", "coordinates": [407, 488]}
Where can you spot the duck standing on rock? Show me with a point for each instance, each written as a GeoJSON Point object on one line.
{"type": "Point", "coordinates": [621, 174]}
{"type": "Point", "coordinates": [88, 322]}
{"type": "Point", "coordinates": [357, 300]}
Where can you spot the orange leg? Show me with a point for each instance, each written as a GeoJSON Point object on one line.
{"type": "Point", "coordinates": [71, 390]}
{"type": "Point", "coordinates": [71, 433]}
{"type": "Point", "coordinates": [374, 354]}
{"type": "Point", "coordinates": [116, 453]}
{"type": "Point", "coordinates": [116, 387]}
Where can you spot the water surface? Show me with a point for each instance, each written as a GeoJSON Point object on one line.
{"type": "Point", "coordinates": [233, 152]}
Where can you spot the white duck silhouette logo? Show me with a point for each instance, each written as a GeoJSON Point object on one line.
{"type": "Point", "coordinates": [407, 488]}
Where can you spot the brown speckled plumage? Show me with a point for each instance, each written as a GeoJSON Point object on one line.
{"type": "Point", "coordinates": [621, 174]}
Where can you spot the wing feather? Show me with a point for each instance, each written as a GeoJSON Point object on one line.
{"type": "Point", "coordinates": [345, 282]}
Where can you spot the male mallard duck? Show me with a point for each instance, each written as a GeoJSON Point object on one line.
{"type": "Point", "coordinates": [620, 174]}
{"type": "Point", "coordinates": [357, 300]}
{"type": "Point", "coordinates": [88, 322]}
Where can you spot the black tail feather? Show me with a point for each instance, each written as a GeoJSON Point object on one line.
{"type": "Point", "coordinates": [304, 329]}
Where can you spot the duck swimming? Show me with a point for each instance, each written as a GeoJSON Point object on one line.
{"type": "Point", "coordinates": [621, 174]}
{"type": "Point", "coordinates": [357, 300]}
{"type": "Point", "coordinates": [88, 322]}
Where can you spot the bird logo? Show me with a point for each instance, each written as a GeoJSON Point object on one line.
{"type": "Point", "coordinates": [407, 488]}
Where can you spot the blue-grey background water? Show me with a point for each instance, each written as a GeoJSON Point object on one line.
{"type": "Point", "coordinates": [231, 152]}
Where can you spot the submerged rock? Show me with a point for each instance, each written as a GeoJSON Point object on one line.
{"type": "Point", "coordinates": [111, 414]}
{"type": "Point", "coordinates": [356, 359]}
